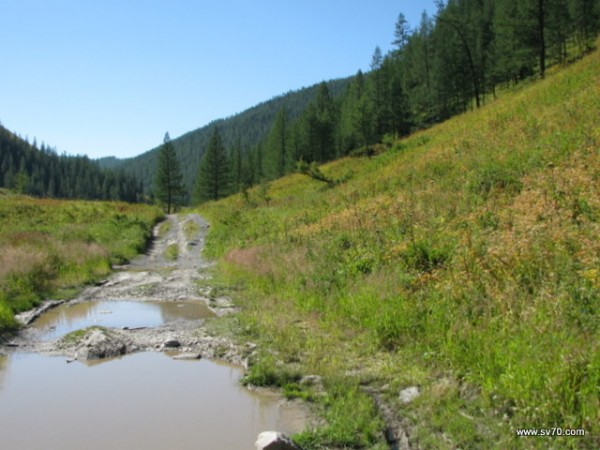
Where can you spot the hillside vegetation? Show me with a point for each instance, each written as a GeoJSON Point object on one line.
{"type": "Point", "coordinates": [41, 172]}
{"type": "Point", "coordinates": [449, 63]}
{"type": "Point", "coordinates": [246, 130]}
{"type": "Point", "coordinates": [50, 248]}
{"type": "Point", "coordinates": [464, 260]}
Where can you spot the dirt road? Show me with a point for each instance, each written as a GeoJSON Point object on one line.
{"type": "Point", "coordinates": [172, 270]}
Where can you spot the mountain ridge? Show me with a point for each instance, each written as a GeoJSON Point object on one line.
{"type": "Point", "coordinates": [250, 127]}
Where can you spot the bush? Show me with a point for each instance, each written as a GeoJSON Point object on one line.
{"type": "Point", "coordinates": [7, 320]}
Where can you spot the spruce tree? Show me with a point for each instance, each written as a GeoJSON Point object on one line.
{"type": "Point", "coordinates": [213, 179]}
{"type": "Point", "coordinates": [168, 179]}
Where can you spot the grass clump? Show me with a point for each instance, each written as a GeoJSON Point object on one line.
{"type": "Point", "coordinates": [172, 252]}
{"type": "Point", "coordinates": [351, 420]}
{"type": "Point", "coordinates": [190, 229]}
{"type": "Point", "coordinates": [74, 337]}
{"type": "Point", "coordinates": [266, 371]}
{"type": "Point", "coordinates": [164, 228]}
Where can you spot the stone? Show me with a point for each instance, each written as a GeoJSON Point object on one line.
{"type": "Point", "coordinates": [409, 394]}
{"type": "Point", "coordinates": [273, 440]}
{"type": "Point", "coordinates": [98, 345]}
{"type": "Point", "coordinates": [310, 380]}
{"type": "Point", "coordinates": [188, 356]}
{"type": "Point", "coordinates": [171, 343]}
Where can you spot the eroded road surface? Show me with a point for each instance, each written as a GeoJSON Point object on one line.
{"type": "Point", "coordinates": [171, 272]}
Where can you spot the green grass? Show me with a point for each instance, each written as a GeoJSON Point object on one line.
{"type": "Point", "coordinates": [464, 260]}
{"type": "Point", "coordinates": [51, 248]}
{"type": "Point", "coordinates": [172, 252]}
{"type": "Point", "coordinates": [75, 337]}
{"type": "Point", "coordinates": [190, 229]}
{"type": "Point", "coordinates": [164, 228]}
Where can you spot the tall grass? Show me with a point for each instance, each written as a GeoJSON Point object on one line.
{"type": "Point", "coordinates": [49, 248]}
{"type": "Point", "coordinates": [465, 260]}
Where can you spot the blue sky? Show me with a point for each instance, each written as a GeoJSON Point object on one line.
{"type": "Point", "coordinates": [109, 77]}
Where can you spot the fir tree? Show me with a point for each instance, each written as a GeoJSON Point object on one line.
{"type": "Point", "coordinates": [213, 179]}
{"type": "Point", "coordinates": [168, 178]}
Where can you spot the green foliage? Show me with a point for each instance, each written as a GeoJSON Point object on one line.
{"type": "Point", "coordinates": [350, 420]}
{"type": "Point", "coordinates": [41, 172]}
{"type": "Point", "coordinates": [422, 256]}
{"type": "Point", "coordinates": [7, 319]}
{"type": "Point", "coordinates": [214, 174]}
{"type": "Point", "coordinates": [267, 371]}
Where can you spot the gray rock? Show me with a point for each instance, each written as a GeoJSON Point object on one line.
{"type": "Point", "coordinates": [409, 394]}
{"type": "Point", "coordinates": [98, 344]}
{"type": "Point", "coordinates": [188, 356]}
{"type": "Point", "coordinates": [273, 440]}
{"type": "Point", "coordinates": [310, 380]}
{"type": "Point", "coordinates": [171, 343]}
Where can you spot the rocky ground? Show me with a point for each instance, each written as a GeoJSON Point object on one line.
{"type": "Point", "coordinates": [155, 276]}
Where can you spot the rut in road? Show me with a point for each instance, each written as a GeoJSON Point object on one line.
{"type": "Point", "coordinates": [154, 276]}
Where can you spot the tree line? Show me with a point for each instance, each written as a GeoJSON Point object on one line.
{"type": "Point", "coordinates": [245, 130]}
{"type": "Point", "coordinates": [450, 63]}
{"type": "Point", "coordinates": [41, 172]}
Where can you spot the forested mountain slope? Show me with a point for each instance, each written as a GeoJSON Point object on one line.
{"type": "Point", "coordinates": [41, 172]}
{"type": "Point", "coordinates": [246, 129]}
{"type": "Point", "coordinates": [454, 61]}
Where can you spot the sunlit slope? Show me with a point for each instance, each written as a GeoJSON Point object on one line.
{"type": "Point", "coordinates": [464, 259]}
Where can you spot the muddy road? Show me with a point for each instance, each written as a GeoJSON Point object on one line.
{"type": "Point", "coordinates": [170, 274]}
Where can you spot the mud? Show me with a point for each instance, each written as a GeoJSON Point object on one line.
{"type": "Point", "coordinates": [151, 277]}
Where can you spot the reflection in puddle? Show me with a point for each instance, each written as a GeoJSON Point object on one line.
{"type": "Point", "coordinates": [145, 400]}
{"type": "Point", "coordinates": [116, 314]}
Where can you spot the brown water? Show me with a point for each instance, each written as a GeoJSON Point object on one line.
{"type": "Point", "coordinates": [116, 314]}
{"type": "Point", "coordinates": [142, 401]}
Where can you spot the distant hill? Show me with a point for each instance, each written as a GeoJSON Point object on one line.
{"type": "Point", "coordinates": [41, 172]}
{"type": "Point", "coordinates": [250, 127]}
{"type": "Point", "coordinates": [109, 162]}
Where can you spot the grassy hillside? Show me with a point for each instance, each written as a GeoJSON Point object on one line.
{"type": "Point", "coordinates": [50, 248]}
{"type": "Point", "coordinates": [464, 260]}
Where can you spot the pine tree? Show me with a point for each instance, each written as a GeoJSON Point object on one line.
{"type": "Point", "coordinates": [401, 33]}
{"type": "Point", "coordinates": [213, 179]}
{"type": "Point", "coordinates": [318, 125]}
{"type": "Point", "coordinates": [168, 178]}
{"type": "Point", "coordinates": [277, 146]}
{"type": "Point", "coordinates": [237, 166]}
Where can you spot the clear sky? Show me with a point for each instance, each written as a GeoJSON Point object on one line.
{"type": "Point", "coordinates": [109, 77]}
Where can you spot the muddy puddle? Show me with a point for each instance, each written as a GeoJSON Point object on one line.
{"type": "Point", "coordinates": [116, 314]}
{"type": "Point", "coordinates": [146, 400]}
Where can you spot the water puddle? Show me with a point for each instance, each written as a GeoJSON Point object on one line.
{"type": "Point", "coordinates": [145, 400]}
{"type": "Point", "coordinates": [116, 314]}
